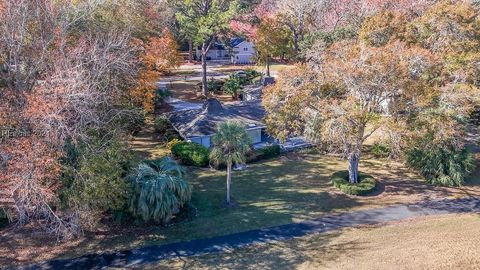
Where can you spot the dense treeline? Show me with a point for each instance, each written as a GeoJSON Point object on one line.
{"type": "Point", "coordinates": [76, 78]}
{"type": "Point", "coordinates": [411, 75]}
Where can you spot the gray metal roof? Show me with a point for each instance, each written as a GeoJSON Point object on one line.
{"type": "Point", "coordinates": [204, 122]}
{"type": "Point", "coordinates": [236, 41]}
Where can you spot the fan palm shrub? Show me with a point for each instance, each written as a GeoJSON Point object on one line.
{"type": "Point", "coordinates": [159, 190]}
{"type": "Point", "coordinates": [441, 165]}
{"type": "Point", "coordinates": [230, 144]}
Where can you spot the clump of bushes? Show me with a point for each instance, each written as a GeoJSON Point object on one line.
{"type": "Point", "coordinates": [213, 85]}
{"type": "Point", "coordinates": [267, 152]}
{"type": "Point", "coordinates": [159, 191]}
{"type": "Point", "coordinates": [132, 122]}
{"type": "Point", "coordinates": [252, 74]}
{"type": "Point", "coordinates": [381, 150]}
{"type": "Point", "coordinates": [161, 124]}
{"type": "Point", "coordinates": [366, 183]}
{"type": "Point", "coordinates": [270, 151]}
{"type": "Point", "coordinates": [93, 182]}
{"type": "Point", "coordinates": [192, 154]}
{"type": "Point", "coordinates": [441, 165]}
{"type": "Point", "coordinates": [232, 85]}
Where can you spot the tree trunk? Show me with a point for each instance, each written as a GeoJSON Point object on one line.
{"type": "Point", "coordinates": [296, 47]}
{"type": "Point", "coordinates": [190, 50]}
{"type": "Point", "coordinates": [204, 69]}
{"type": "Point", "coordinates": [229, 180]}
{"type": "Point", "coordinates": [268, 66]}
{"type": "Point", "coordinates": [353, 159]}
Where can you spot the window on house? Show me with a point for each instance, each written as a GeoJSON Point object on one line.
{"type": "Point", "coordinates": [245, 49]}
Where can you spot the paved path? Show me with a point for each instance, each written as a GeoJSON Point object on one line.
{"type": "Point", "coordinates": [151, 254]}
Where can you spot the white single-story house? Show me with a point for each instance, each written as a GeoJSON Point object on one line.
{"type": "Point", "coordinates": [237, 51]}
{"type": "Point", "coordinates": [200, 125]}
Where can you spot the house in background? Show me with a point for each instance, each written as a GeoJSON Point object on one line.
{"type": "Point", "coordinates": [199, 125]}
{"type": "Point", "coordinates": [216, 52]}
{"type": "Point", "coordinates": [243, 51]}
{"type": "Point", "coordinates": [237, 51]}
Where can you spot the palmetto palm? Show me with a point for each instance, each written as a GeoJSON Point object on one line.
{"type": "Point", "coordinates": [159, 191]}
{"type": "Point", "coordinates": [230, 144]}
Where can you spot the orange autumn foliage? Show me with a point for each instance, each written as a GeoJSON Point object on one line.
{"type": "Point", "coordinates": [158, 55]}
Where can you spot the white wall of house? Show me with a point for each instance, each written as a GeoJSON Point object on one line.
{"type": "Point", "coordinates": [205, 140]}
{"type": "Point", "coordinates": [243, 53]}
{"type": "Point", "coordinates": [214, 54]}
{"type": "Point", "coordinates": [255, 135]}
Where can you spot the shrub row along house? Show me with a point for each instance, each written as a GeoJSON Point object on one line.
{"type": "Point", "coordinates": [237, 51]}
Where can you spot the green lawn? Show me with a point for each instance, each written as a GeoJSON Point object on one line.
{"type": "Point", "coordinates": [268, 193]}
{"type": "Point", "coordinates": [285, 190]}
{"type": "Point", "coordinates": [289, 189]}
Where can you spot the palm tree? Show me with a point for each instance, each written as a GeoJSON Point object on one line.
{"type": "Point", "coordinates": [230, 144]}
{"type": "Point", "coordinates": [159, 190]}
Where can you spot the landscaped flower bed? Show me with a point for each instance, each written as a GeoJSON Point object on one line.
{"type": "Point", "coordinates": [365, 185]}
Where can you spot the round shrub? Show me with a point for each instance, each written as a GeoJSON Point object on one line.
{"type": "Point", "coordinates": [192, 154]}
{"type": "Point", "coordinates": [366, 183]}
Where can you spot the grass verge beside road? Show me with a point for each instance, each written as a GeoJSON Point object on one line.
{"type": "Point", "coordinates": [442, 242]}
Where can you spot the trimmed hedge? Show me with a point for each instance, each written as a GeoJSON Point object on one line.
{"type": "Point", "coordinates": [365, 186]}
{"type": "Point", "coordinates": [267, 152]}
{"type": "Point", "coordinates": [257, 155]}
{"type": "Point", "coordinates": [192, 154]}
{"type": "Point", "coordinates": [270, 151]}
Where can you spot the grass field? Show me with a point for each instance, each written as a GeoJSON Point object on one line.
{"type": "Point", "coordinates": [290, 189]}
{"type": "Point", "coordinates": [443, 242]}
